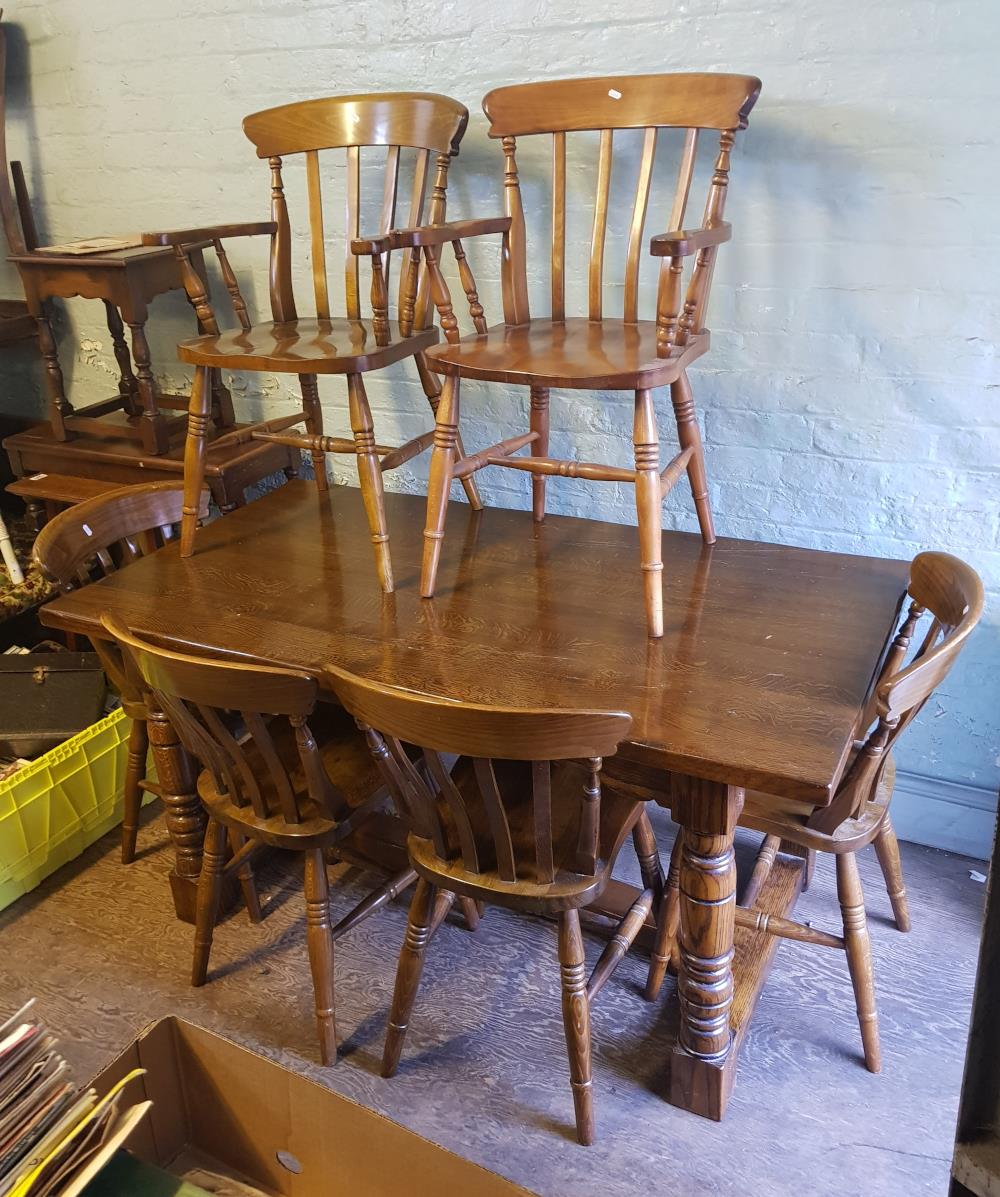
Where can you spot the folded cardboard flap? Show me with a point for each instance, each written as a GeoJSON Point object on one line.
{"type": "Point", "coordinates": [279, 1131]}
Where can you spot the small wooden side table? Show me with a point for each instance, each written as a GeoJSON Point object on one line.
{"type": "Point", "coordinates": [126, 280]}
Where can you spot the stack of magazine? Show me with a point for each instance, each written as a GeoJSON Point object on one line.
{"type": "Point", "coordinates": [53, 1138]}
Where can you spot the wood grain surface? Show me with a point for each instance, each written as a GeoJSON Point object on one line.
{"type": "Point", "coordinates": [766, 660]}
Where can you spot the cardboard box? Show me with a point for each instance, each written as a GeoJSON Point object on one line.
{"type": "Point", "coordinates": [223, 1108]}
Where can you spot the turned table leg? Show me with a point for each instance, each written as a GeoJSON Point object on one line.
{"type": "Point", "coordinates": [184, 813]}
{"type": "Point", "coordinates": [152, 426]}
{"type": "Point", "coordinates": [702, 1064]}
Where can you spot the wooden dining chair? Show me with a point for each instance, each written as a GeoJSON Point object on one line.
{"type": "Point", "coordinates": [277, 770]}
{"type": "Point", "coordinates": [518, 821]}
{"type": "Point", "coordinates": [950, 594]}
{"type": "Point", "coordinates": [599, 351]}
{"type": "Point", "coordinates": [89, 541]}
{"type": "Point", "coordinates": [399, 125]}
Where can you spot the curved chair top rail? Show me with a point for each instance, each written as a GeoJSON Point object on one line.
{"type": "Point", "coordinates": [701, 100]}
{"type": "Point", "coordinates": [953, 593]}
{"type": "Point", "coordinates": [214, 683]}
{"type": "Point", "coordinates": [85, 531]}
{"type": "Point", "coordinates": [469, 729]}
{"type": "Point", "coordinates": [418, 120]}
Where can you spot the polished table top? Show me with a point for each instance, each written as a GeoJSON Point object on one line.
{"type": "Point", "coordinates": [759, 680]}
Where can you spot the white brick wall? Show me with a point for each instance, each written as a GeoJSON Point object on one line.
{"type": "Point", "coordinates": [850, 399]}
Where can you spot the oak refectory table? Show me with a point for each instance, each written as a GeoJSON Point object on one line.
{"type": "Point", "coordinates": [759, 681]}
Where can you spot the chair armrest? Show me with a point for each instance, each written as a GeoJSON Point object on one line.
{"type": "Point", "coordinates": [215, 232]}
{"type": "Point", "coordinates": [683, 242]}
{"type": "Point", "coordinates": [430, 234]}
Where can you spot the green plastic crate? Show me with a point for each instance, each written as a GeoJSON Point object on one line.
{"type": "Point", "coordinates": [60, 804]}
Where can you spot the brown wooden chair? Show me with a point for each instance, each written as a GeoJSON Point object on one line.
{"type": "Point", "coordinates": [596, 352]}
{"type": "Point", "coordinates": [430, 126]}
{"type": "Point", "coordinates": [951, 593]}
{"type": "Point", "coordinates": [277, 770]}
{"type": "Point", "coordinates": [519, 821]}
{"type": "Point", "coordinates": [90, 540]}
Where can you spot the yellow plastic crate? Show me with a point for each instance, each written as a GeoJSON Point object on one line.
{"type": "Point", "coordinates": [60, 804]}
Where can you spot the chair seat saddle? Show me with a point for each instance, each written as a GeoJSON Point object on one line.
{"type": "Point", "coordinates": [574, 353]}
{"type": "Point", "coordinates": [334, 346]}
{"type": "Point", "coordinates": [570, 889]}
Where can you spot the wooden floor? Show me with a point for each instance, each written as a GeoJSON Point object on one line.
{"type": "Point", "coordinates": [484, 1071]}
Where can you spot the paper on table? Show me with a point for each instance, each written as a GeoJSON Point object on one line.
{"type": "Point", "coordinates": [92, 245]}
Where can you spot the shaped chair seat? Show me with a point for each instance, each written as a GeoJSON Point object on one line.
{"type": "Point", "coordinates": [334, 346]}
{"type": "Point", "coordinates": [573, 353]}
{"type": "Point", "coordinates": [573, 885]}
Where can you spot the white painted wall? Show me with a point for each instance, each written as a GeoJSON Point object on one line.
{"type": "Point", "coordinates": [850, 400]}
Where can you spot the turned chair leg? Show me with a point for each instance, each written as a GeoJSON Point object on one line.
{"type": "Point", "coordinates": [199, 410]}
{"type": "Point", "coordinates": [539, 422]}
{"type": "Point", "coordinates": [576, 1022]}
{"type": "Point", "coordinates": [439, 483]}
{"type": "Point", "coordinates": [648, 506]}
{"type": "Point", "coordinates": [411, 965]}
{"type": "Point", "coordinates": [370, 478]}
{"type": "Point", "coordinates": [433, 392]}
{"type": "Point", "coordinates": [667, 923]}
{"type": "Point", "coordinates": [650, 868]}
{"type": "Point", "coordinates": [887, 850]}
{"type": "Point", "coordinates": [472, 912]}
{"type": "Point", "coordinates": [135, 773]}
{"type": "Point", "coordinates": [309, 385]}
{"type": "Point", "coordinates": [248, 882]}
{"type": "Point", "coordinates": [689, 436]}
{"type": "Point", "coordinates": [319, 940]}
{"type": "Point", "coordinates": [859, 955]}
{"type": "Point", "coordinates": [209, 894]}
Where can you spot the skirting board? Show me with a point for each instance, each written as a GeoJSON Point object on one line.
{"type": "Point", "coordinates": [952, 815]}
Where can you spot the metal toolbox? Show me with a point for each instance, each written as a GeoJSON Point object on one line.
{"type": "Point", "coordinates": [46, 697]}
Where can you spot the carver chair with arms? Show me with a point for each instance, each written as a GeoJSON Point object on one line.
{"type": "Point", "coordinates": [600, 351]}
{"type": "Point", "coordinates": [423, 126]}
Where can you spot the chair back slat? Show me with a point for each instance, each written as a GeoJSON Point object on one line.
{"type": "Point", "coordinates": [493, 812]}
{"type": "Point", "coordinates": [220, 737]}
{"type": "Point", "coordinates": [688, 102]}
{"type": "Point", "coordinates": [541, 799]}
{"type": "Point", "coordinates": [600, 231]}
{"type": "Point", "coordinates": [435, 215]}
{"type": "Point", "coordinates": [558, 225]}
{"type": "Point", "coordinates": [453, 799]}
{"type": "Point", "coordinates": [390, 196]}
{"type": "Point", "coordinates": [685, 173]}
{"type": "Point", "coordinates": [635, 246]}
{"type": "Point", "coordinates": [499, 827]}
{"type": "Point", "coordinates": [317, 236]}
{"type": "Point", "coordinates": [422, 123]}
{"type": "Point", "coordinates": [277, 772]}
{"type": "Point", "coordinates": [352, 223]}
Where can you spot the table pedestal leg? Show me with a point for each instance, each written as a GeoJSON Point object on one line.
{"type": "Point", "coordinates": [702, 1064]}
{"type": "Point", "coordinates": [184, 813]}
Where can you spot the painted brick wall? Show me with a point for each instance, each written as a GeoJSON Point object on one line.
{"type": "Point", "coordinates": [850, 399]}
